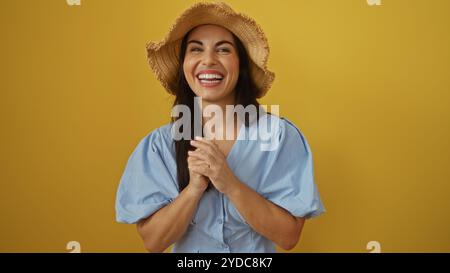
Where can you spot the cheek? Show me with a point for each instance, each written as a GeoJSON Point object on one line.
{"type": "Point", "coordinates": [188, 69]}
{"type": "Point", "coordinates": [233, 68]}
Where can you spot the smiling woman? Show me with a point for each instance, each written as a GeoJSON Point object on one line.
{"type": "Point", "coordinates": [208, 194]}
{"type": "Point", "coordinates": [211, 63]}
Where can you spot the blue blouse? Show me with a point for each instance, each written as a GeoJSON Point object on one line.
{"type": "Point", "coordinates": [283, 175]}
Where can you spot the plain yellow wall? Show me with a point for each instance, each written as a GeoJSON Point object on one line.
{"type": "Point", "coordinates": [368, 85]}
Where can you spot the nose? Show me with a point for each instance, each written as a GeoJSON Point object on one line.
{"type": "Point", "coordinates": [209, 58]}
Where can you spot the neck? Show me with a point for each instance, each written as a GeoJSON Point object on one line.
{"type": "Point", "coordinates": [226, 123]}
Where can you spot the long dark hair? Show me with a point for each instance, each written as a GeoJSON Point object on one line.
{"type": "Point", "coordinates": [245, 94]}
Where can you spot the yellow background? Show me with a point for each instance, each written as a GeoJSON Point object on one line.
{"type": "Point", "coordinates": [368, 85]}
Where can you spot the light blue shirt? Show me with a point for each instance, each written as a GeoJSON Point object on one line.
{"type": "Point", "coordinates": [283, 175]}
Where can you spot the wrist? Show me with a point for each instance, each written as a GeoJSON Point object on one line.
{"type": "Point", "coordinates": [232, 188]}
{"type": "Point", "coordinates": [194, 191]}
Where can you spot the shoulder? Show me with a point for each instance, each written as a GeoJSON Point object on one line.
{"type": "Point", "coordinates": [292, 131]}
{"type": "Point", "coordinates": [281, 126]}
{"type": "Point", "coordinates": [285, 132]}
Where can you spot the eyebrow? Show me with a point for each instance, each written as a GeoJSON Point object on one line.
{"type": "Point", "coordinates": [217, 44]}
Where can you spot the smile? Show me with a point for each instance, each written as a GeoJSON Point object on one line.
{"type": "Point", "coordinates": [210, 78]}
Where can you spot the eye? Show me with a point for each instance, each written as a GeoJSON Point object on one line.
{"type": "Point", "coordinates": [224, 50]}
{"type": "Point", "coordinates": [195, 49]}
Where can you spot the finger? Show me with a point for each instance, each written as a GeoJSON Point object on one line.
{"type": "Point", "coordinates": [205, 150]}
{"type": "Point", "coordinates": [216, 152]}
{"type": "Point", "coordinates": [201, 155]}
{"type": "Point", "coordinates": [195, 161]}
{"type": "Point", "coordinates": [201, 169]}
{"type": "Point", "coordinates": [207, 147]}
{"type": "Point", "coordinates": [201, 145]}
{"type": "Point", "coordinates": [191, 159]}
{"type": "Point", "coordinates": [208, 142]}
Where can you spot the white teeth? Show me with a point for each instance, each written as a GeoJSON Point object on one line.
{"type": "Point", "coordinates": [209, 81]}
{"type": "Point", "coordinates": [209, 76]}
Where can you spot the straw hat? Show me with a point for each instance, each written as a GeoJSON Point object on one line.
{"type": "Point", "coordinates": [163, 56]}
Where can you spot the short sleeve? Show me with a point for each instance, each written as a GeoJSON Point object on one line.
{"type": "Point", "coordinates": [146, 184]}
{"type": "Point", "coordinates": [289, 177]}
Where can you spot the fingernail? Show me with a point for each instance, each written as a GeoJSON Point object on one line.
{"type": "Point", "coordinates": [198, 137]}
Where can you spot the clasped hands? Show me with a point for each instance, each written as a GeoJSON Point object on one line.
{"type": "Point", "coordinates": [209, 161]}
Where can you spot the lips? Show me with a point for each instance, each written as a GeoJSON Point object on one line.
{"type": "Point", "coordinates": [210, 78]}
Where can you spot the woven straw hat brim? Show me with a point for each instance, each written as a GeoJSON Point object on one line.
{"type": "Point", "coordinates": [163, 56]}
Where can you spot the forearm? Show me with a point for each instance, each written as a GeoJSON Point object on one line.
{"type": "Point", "coordinates": [266, 218]}
{"type": "Point", "coordinates": [169, 223]}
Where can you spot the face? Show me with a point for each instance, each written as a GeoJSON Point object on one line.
{"type": "Point", "coordinates": [211, 64]}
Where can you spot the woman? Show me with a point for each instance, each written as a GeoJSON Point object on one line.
{"type": "Point", "coordinates": [211, 194]}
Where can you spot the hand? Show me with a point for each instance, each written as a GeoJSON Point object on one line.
{"type": "Point", "coordinates": [212, 163]}
{"type": "Point", "coordinates": [197, 181]}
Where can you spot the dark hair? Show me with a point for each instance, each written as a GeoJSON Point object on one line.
{"type": "Point", "coordinates": [245, 94]}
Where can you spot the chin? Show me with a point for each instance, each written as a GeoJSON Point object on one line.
{"type": "Point", "coordinates": [211, 98]}
{"type": "Point", "coordinates": [210, 95]}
